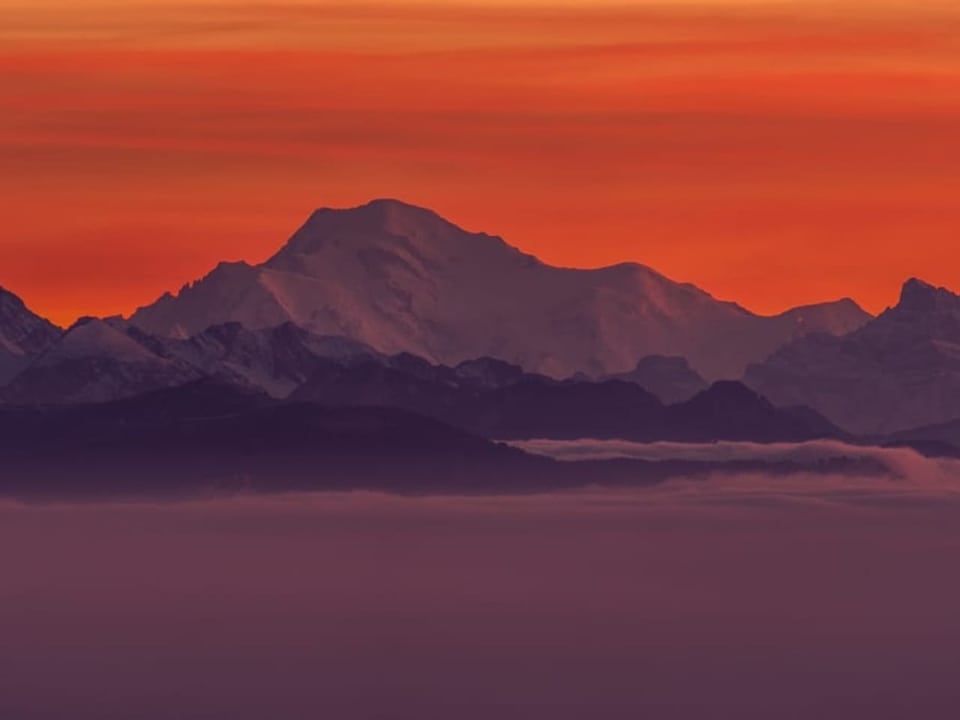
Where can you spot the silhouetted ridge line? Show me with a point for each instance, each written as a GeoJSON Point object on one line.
{"type": "Point", "coordinates": [900, 370]}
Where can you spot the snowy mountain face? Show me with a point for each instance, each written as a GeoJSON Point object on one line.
{"type": "Point", "coordinates": [276, 360]}
{"type": "Point", "coordinates": [94, 361]}
{"type": "Point", "coordinates": [99, 360]}
{"type": "Point", "coordinates": [23, 335]}
{"type": "Point", "coordinates": [900, 370]}
{"type": "Point", "coordinates": [401, 279]}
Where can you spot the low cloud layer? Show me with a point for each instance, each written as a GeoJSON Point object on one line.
{"type": "Point", "coordinates": [902, 476]}
{"type": "Point", "coordinates": [743, 597]}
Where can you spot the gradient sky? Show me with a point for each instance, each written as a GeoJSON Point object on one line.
{"type": "Point", "coordinates": [772, 152]}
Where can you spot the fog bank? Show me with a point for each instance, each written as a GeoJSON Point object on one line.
{"type": "Point", "coordinates": [678, 602]}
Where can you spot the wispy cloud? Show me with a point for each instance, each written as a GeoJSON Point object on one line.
{"type": "Point", "coordinates": [905, 477]}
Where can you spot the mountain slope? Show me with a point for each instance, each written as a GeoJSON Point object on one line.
{"type": "Point", "coordinates": [669, 378]}
{"type": "Point", "coordinates": [94, 361]}
{"type": "Point", "coordinates": [900, 370]}
{"type": "Point", "coordinates": [276, 359]}
{"type": "Point", "coordinates": [23, 334]}
{"type": "Point", "coordinates": [524, 406]}
{"type": "Point", "coordinates": [941, 439]}
{"type": "Point", "coordinates": [203, 438]}
{"type": "Point", "coordinates": [402, 279]}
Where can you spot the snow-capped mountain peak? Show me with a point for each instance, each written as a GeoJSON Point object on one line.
{"type": "Point", "coordinates": [400, 278]}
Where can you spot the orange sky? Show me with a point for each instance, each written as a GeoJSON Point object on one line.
{"type": "Point", "coordinates": [771, 152]}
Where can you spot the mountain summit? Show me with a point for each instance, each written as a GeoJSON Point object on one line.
{"type": "Point", "coordinates": [23, 334]}
{"type": "Point", "coordinates": [919, 296]}
{"type": "Point", "coordinates": [900, 370]}
{"type": "Point", "coordinates": [402, 279]}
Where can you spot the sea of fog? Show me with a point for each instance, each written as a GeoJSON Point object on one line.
{"type": "Point", "coordinates": [731, 597]}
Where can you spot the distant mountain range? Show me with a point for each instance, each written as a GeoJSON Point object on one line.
{"type": "Point", "coordinates": [206, 438]}
{"type": "Point", "coordinates": [389, 305]}
{"type": "Point", "coordinates": [108, 360]}
{"type": "Point", "coordinates": [502, 402]}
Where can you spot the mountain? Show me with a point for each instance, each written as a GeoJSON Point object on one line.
{"type": "Point", "coordinates": [402, 279]}
{"type": "Point", "coordinates": [275, 359]}
{"type": "Point", "coordinates": [94, 361]}
{"type": "Point", "coordinates": [530, 406]}
{"type": "Point", "coordinates": [669, 378]}
{"type": "Point", "coordinates": [23, 334]}
{"type": "Point", "coordinates": [204, 438]}
{"type": "Point", "coordinates": [939, 440]}
{"type": "Point", "coordinates": [900, 370]}
{"type": "Point", "coordinates": [615, 409]}
{"type": "Point", "coordinates": [729, 410]}
{"type": "Point", "coordinates": [524, 406]}
{"type": "Point", "coordinates": [106, 359]}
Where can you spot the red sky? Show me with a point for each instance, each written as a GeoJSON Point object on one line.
{"type": "Point", "coordinates": [774, 153]}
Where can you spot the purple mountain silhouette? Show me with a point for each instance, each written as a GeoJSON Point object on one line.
{"type": "Point", "coordinates": [205, 437]}
{"type": "Point", "coordinates": [669, 378]}
{"type": "Point", "coordinates": [23, 335]}
{"type": "Point", "coordinates": [521, 406]}
{"type": "Point", "coordinates": [94, 361]}
{"type": "Point", "coordinates": [898, 371]}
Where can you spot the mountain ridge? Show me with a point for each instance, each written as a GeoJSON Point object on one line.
{"type": "Point", "coordinates": [900, 370]}
{"type": "Point", "coordinates": [23, 334]}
